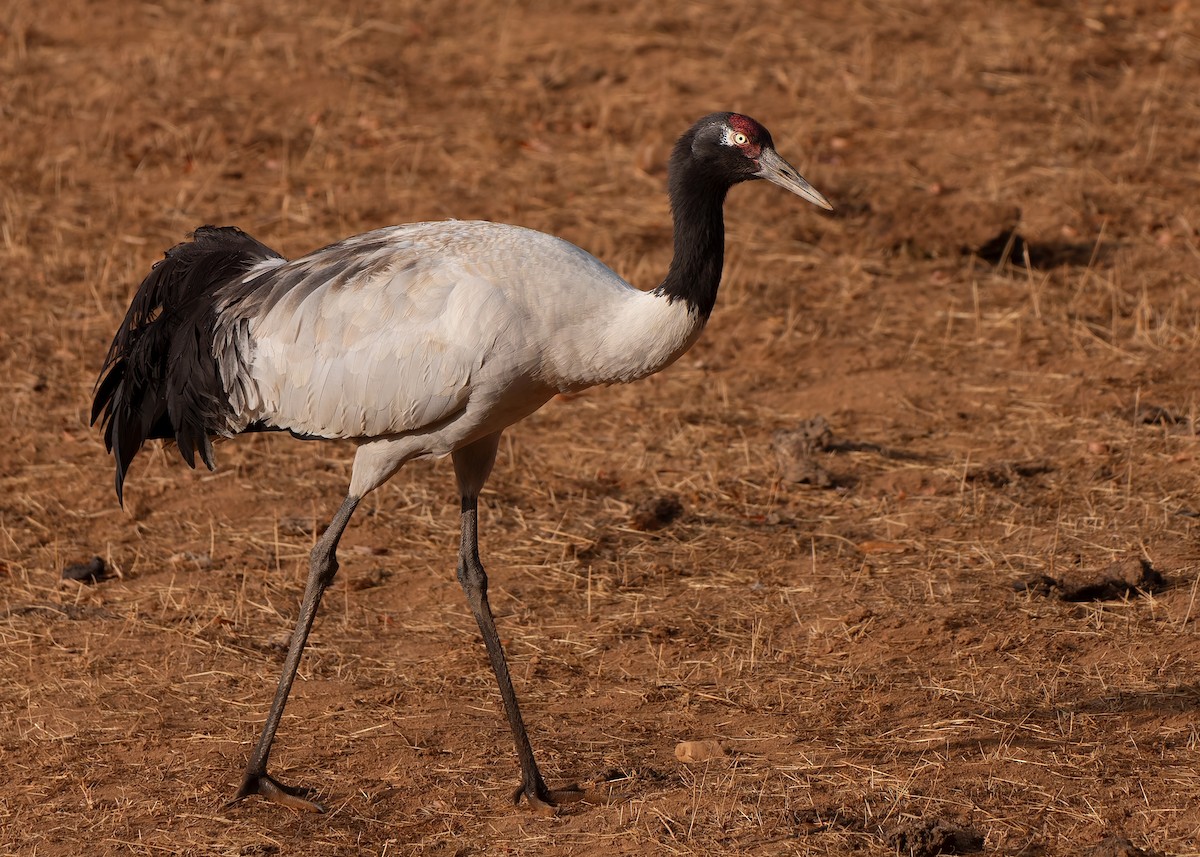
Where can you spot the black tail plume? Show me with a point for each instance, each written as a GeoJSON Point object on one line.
{"type": "Point", "coordinates": [160, 378]}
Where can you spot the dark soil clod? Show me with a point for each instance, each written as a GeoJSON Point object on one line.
{"type": "Point", "coordinates": [1037, 584]}
{"type": "Point", "coordinates": [1156, 415]}
{"type": "Point", "coordinates": [1119, 846]}
{"type": "Point", "coordinates": [929, 837]}
{"type": "Point", "coordinates": [1118, 580]}
{"type": "Point", "coordinates": [1005, 474]}
{"type": "Point", "coordinates": [92, 571]}
{"type": "Point", "coordinates": [1113, 582]}
{"type": "Point", "coordinates": [656, 511]}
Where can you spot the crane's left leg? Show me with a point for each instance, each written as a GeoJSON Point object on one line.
{"type": "Point", "coordinates": [472, 465]}
{"type": "Point", "coordinates": [323, 566]}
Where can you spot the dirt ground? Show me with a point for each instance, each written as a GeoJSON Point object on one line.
{"type": "Point", "coordinates": [931, 580]}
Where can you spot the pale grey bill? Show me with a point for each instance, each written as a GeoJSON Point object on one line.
{"type": "Point", "coordinates": [775, 169]}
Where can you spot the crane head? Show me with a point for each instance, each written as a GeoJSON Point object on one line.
{"type": "Point", "coordinates": [740, 149]}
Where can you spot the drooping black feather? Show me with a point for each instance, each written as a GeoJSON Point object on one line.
{"type": "Point", "coordinates": [160, 378]}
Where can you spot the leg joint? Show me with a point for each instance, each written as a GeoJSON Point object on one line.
{"type": "Point", "coordinates": [471, 575]}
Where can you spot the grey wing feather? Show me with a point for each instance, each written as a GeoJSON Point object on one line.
{"type": "Point", "coordinates": [376, 336]}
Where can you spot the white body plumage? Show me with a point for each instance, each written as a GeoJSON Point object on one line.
{"type": "Point", "coordinates": [443, 335]}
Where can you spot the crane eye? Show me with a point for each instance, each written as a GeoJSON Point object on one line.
{"type": "Point", "coordinates": [740, 139]}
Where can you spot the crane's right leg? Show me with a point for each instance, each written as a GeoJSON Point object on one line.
{"type": "Point", "coordinates": [322, 569]}
{"type": "Point", "coordinates": [472, 464]}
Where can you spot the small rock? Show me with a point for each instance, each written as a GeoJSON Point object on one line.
{"type": "Point", "coordinates": [200, 560]}
{"type": "Point", "coordinates": [699, 751]}
{"type": "Point", "coordinates": [807, 471]}
{"type": "Point", "coordinates": [88, 572]}
{"type": "Point", "coordinates": [796, 452]}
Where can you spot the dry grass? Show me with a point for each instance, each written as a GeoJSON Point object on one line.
{"type": "Point", "coordinates": [1003, 403]}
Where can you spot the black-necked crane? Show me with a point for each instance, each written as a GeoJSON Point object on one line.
{"type": "Point", "coordinates": [427, 339]}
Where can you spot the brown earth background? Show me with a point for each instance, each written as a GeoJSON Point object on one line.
{"type": "Point", "coordinates": [924, 624]}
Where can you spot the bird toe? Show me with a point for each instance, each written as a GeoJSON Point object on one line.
{"type": "Point", "coordinates": [547, 801]}
{"type": "Point", "coordinates": [266, 786]}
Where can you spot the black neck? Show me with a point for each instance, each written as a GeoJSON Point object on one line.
{"type": "Point", "coordinates": [697, 198]}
